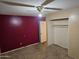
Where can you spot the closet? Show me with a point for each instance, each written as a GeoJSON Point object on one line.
{"type": "Point", "coordinates": [60, 32]}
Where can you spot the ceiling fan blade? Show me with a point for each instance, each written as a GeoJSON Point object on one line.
{"type": "Point", "coordinates": [47, 2]}
{"type": "Point", "coordinates": [53, 8]}
{"type": "Point", "coordinates": [16, 4]}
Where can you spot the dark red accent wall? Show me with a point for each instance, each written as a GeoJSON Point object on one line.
{"type": "Point", "coordinates": [12, 37]}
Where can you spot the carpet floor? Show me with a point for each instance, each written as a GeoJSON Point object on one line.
{"type": "Point", "coordinates": [38, 51]}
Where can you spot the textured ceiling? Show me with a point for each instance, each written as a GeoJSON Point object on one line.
{"type": "Point", "coordinates": [17, 10]}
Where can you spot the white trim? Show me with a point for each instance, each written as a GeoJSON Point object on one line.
{"type": "Point", "coordinates": [18, 48]}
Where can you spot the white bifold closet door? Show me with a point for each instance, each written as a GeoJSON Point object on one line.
{"type": "Point", "coordinates": [61, 33]}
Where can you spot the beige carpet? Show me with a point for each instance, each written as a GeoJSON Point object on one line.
{"type": "Point", "coordinates": [38, 52]}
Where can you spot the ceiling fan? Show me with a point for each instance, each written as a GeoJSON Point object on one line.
{"type": "Point", "coordinates": [39, 8]}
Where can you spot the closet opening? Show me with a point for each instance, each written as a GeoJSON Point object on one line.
{"type": "Point", "coordinates": [60, 32]}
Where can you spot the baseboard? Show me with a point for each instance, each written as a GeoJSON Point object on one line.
{"type": "Point", "coordinates": [60, 46]}
{"type": "Point", "coordinates": [18, 48]}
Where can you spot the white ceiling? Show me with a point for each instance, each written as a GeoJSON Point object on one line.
{"type": "Point", "coordinates": [17, 10]}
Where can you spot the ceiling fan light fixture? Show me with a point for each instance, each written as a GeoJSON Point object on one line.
{"type": "Point", "coordinates": [39, 8]}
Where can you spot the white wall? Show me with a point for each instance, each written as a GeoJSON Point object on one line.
{"type": "Point", "coordinates": [73, 29]}
{"type": "Point", "coordinates": [50, 33]}
{"type": "Point", "coordinates": [74, 35]}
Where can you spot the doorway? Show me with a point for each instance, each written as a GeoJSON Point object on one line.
{"type": "Point", "coordinates": [43, 31]}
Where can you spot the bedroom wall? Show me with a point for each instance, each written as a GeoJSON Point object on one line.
{"type": "Point", "coordinates": [74, 25]}
{"type": "Point", "coordinates": [18, 31]}
{"type": "Point", "coordinates": [0, 34]}
{"type": "Point", "coordinates": [50, 33]}
{"type": "Point", "coordinates": [74, 35]}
